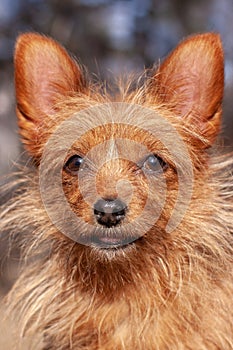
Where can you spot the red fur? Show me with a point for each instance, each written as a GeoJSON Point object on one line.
{"type": "Point", "coordinates": [166, 290]}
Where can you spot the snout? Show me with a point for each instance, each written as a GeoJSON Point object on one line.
{"type": "Point", "coordinates": [109, 212]}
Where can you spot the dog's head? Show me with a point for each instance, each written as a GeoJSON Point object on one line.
{"type": "Point", "coordinates": [113, 169]}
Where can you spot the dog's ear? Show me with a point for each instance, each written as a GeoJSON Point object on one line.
{"type": "Point", "coordinates": [191, 80]}
{"type": "Point", "coordinates": [44, 72]}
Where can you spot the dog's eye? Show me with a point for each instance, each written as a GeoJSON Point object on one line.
{"type": "Point", "coordinates": [154, 164]}
{"type": "Point", "coordinates": [73, 164]}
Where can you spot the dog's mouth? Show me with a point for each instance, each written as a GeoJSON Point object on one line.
{"type": "Point", "coordinates": [109, 241]}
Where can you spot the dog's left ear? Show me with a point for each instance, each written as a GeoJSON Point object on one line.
{"type": "Point", "coordinates": [190, 82]}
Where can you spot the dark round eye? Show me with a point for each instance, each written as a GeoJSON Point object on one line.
{"type": "Point", "coordinates": [73, 164]}
{"type": "Point", "coordinates": [154, 164]}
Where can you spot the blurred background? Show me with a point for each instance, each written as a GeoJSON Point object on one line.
{"type": "Point", "coordinates": [108, 37]}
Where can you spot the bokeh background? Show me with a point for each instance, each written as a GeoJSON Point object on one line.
{"type": "Point", "coordinates": [109, 37]}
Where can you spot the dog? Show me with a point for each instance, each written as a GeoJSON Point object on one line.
{"type": "Point", "coordinates": [124, 212]}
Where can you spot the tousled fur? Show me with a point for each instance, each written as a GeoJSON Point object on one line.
{"type": "Point", "coordinates": [164, 291]}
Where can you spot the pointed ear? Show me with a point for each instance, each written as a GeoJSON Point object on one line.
{"type": "Point", "coordinates": [44, 73]}
{"type": "Point", "coordinates": [191, 81]}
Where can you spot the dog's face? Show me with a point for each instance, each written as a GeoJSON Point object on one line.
{"type": "Point", "coordinates": [115, 171]}
{"type": "Point", "coordinates": [115, 178]}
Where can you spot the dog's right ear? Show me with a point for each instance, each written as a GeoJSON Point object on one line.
{"type": "Point", "coordinates": [44, 73]}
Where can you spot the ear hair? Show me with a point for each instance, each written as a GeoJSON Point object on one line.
{"type": "Point", "coordinates": [44, 73]}
{"type": "Point", "coordinates": [190, 82]}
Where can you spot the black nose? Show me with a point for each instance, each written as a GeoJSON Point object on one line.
{"type": "Point", "coordinates": [109, 212]}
